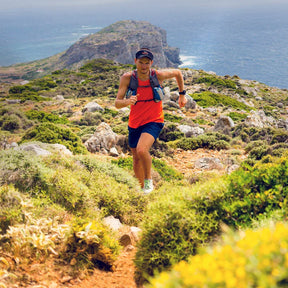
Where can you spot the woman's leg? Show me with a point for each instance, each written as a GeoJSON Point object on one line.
{"type": "Point", "coordinates": [142, 150]}
{"type": "Point", "coordinates": [137, 167]}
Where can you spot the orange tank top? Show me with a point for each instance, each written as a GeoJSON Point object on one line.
{"type": "Point", "coordinates": [144, 112]}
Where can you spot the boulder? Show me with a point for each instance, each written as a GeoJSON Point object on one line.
{"type": "Point", "coordinates": [92, 107]}
{"type": "Point", "coordinates": [102, 140]}
{"type": "Point", "coordinates": [224, 123]}
{"type": "Point", "coordinates": [35, 149]}
{"type": "Point", "coordinates": [259, 119]}
{"type": "Point", "coordinates": [190, 131]}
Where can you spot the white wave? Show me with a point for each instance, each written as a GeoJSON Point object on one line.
{"type": "Point", "coordinates": [91, 28]}
{"type": "Point", "coordinates": [187, 60]}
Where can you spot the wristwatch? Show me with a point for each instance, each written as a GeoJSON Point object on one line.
{"type": "Point", "coordinates": [183, 92]}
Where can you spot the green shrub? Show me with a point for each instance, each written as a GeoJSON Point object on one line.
{"type": "Point", "coordinates": [10, 208]}
{"type": "Point", "coordinates": [167, 173]}
{"type": "Point", "coordinates": [216, 81]}
{"type": "Point", "coordinates": [90, 119]}
{"type": "Point", "coordinates": [120, 129]}
{"type": "Point", "coordinates": [278, 149]}
{"type": "Point", "coordinates": [256, 190]}
{"type": "Point", "coordinates": [90, 245]}
{"type": "Point", "coordinates": [259, 152]}
{"type": "Point", "coordinates": [279, 136]}
{"type": "Point", "coordinates": [42, 116]}
{"type": "Point", "coordinates": [124, 162]}
{"type": "Point", "coordinates": [99, 66]}
{"type": "Point", "coordinates": [69, 192]}
{"type": "Point", "coordinates": [172, 118]}
{"type": "Point", "coordinates": [170, 132]}
{"type": "Point", "coordinates": [12, 119]}
{"type": "Point", "coordinates": [176, 223]}
{"type": "Point", "coordinates": [111, 170]}
{"type": "Point", "coordinates": [29, 95]}
{"type": "Point", "coordinates": [51, 133]}
{"type": "Point", "coordinates": [10, 122]}
{"type": "Point", "coordinates": [236, 116]}
{"type": "Point", "coordinates": [117, 192]}
{"type": "Point", "coordinates": [22, 169]}
{"type": "Point", "coordinates": [214, 141]}
{"type": "Point", "coordinates": [208, 99]}
{"type": "Point", "coordinates": [268, 134]}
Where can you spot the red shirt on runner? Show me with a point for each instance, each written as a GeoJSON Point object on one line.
{"type": "Point", "coordinates": [144, 112]}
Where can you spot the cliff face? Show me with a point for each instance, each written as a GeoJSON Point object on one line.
{"type": "Point", "coordinates": [119, 42]}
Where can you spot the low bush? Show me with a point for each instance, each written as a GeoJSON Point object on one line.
{"type": "Point", "coordinates": [256, 190]}
{"type": "Point", "coordinates": [51, 133]}
{"type": "Point", "coordinates": [42, 116]}
{"type": "Point", "coordinates": [172, 118]}
{"type": "Point", "coordinates": [268, 134]}
{"type": "Point", "coordinates": [90, 119]}
{"type": "Point", "coordinates": [170, 132]}
{"type": "Point", "coordinates": [247, 259]}
{"type": "Point", "coordinates": [167, 173]}
{"type": "Point", "coordinates": [119, 194]}
{"type": "Point", "coordinates": [10, 122]}
{"type": "Point", "coordinates": [216, 81]}
{"type": "Point", "coordinates": [176, 224]}
{"type": "Point", "coordinates": [209, 99]}
{"type": "Point", "coordinates": [22, 169]}
{"type": "Point", "coordinates": [12, 119]}
{"type": "Point", "coordinates": [10, 208]}
{"type": "Point", "coordinates": [90, 245]}
{"type": "Point", "coordinates": [236, 116]}
{"type": "Point", "coordinates": [214, 141]}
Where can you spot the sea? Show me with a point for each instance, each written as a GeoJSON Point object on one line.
{"type": "Point", "coordinates": [250, 41]}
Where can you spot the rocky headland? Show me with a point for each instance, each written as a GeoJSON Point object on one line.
{"type": "Point", "coordinates": [118, 42]}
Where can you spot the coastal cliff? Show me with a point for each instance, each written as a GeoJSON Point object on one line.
{"type": "Point", "coordinates": [119, 42]}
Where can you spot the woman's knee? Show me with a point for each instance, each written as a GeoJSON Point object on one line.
{"type": "Point", "coordinates": [142, 151]}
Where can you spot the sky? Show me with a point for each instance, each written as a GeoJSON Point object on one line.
{"type": "Point", "coordinates": [14, 4]}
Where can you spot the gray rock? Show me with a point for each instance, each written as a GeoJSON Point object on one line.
{"type": "Point", "coordinates": [224, 122]}
{"type": "Point", "coordinates": [44, 149]}
{"type": "Point", "coordinates": [112, 222]}
{"type": "Point", "coordinates": [113, 152]}
{"type": "Point", "coordinates": [208, 163]}
{"type": "Point", "coordinates": [171, 104]}
{"type": "Point", "coordinates": [190, 131]}
{"type": "Point", "coordinates": [60, 148]}
{"type": "Point", "coordinates": [92, 107]}
{"type": "Point", "coordinates": [13, 101]}
{"type": "Point", "coordinates": [35, 149]}
{"type": "Point", "coordinates": [59, 98]}
{"type": "Point", "coordinates": [259, 119]}
{"type": "Point", "coordinates": [191, 104]}
{"type": "Point", "coordinates": [102, 140]}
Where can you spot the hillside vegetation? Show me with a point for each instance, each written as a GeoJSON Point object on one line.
{"type": "Point", "coordinates": [229, 217]}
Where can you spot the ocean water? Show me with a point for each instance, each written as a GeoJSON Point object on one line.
{"type": "Point", "coordinates": [250, 41]}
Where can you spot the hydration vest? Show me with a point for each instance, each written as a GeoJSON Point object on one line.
{"type": "Point", "coordinates": [158, 92]}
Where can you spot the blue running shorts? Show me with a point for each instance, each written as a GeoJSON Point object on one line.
{"type": "Point", "coordinates": [153, 128]}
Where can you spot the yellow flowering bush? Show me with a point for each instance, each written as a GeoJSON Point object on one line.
{"type": "Point", "coordinates": [247, 259]}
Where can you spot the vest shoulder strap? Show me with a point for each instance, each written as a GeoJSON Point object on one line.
{"type": "Point", "coordinates": [133, 84]}
{"type": "Point", "coordinates": [153, 79]}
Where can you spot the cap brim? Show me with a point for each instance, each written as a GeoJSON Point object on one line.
{"type": "Point", "coordinates": [144, 56]}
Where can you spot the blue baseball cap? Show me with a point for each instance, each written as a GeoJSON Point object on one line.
{"type": "Point", "coordinates": [144, 53]}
